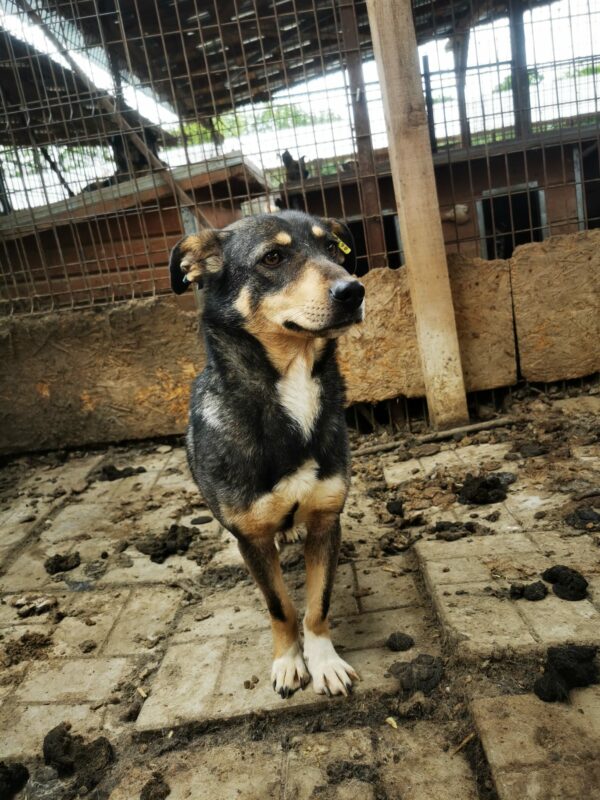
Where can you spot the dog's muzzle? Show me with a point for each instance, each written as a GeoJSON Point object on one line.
{"type": "Point", "coordinates": [347, 295]}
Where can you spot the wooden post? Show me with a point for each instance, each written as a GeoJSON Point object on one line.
{"type": "Point", "coordinates": [519, 72]}
{"type": "Point", "coordinates": [460, 51]}
{"type": "Point", "coordinates": [397, 59]}
{"type": "Point", "coordinates": [367, 173]}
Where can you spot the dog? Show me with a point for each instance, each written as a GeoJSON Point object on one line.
{"type": "Point", "coordinates": [294, 170]}
{"type": "Point", "coordinates": [267, 442]}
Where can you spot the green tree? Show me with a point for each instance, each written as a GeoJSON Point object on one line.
{"type": "Point", "coordinates": [533, 74]}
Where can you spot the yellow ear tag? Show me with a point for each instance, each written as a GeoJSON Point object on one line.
{"type": "Point", "coordinates": [343, 247]}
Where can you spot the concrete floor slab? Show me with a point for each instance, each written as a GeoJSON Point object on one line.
{"type": "Point", "coordinates": [143, 621]}
{"type": "Point", "coordinates": [418, 762]}
{"type": "Point", "coordinates": [541, 751]}
{"type": "Point", "coordinates": [183, 689]}
{"type": "Point", "coordinates": [71, 680]}
{"type": "Point", "coordinates": [24, 726]}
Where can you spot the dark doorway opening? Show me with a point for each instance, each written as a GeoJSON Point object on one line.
{"type": "Point", "coordinates": [591, 183]}
{"type": "Point", "coordinates": [393, 246]}
{"type": "Point", "coordinates": [511, 220]}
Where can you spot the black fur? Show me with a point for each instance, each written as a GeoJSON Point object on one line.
{"type": "Point", "coordinates": [270, 401]}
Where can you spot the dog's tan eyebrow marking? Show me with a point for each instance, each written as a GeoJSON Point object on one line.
{"type": "Point", "coordinates": [317, 230]}
{"type": "Point", "coordinates": [283, 238]}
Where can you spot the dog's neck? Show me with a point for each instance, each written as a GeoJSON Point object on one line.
{"type": "Point", "coordinates": [277, 353]}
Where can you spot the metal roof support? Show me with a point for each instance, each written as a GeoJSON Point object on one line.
{"type": "Point", "coordinates": [411, 162]}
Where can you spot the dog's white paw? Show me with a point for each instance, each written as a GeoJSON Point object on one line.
{"type": "Point", "coordinates": [330, 674]}
{"type": "Point", "coordinates": [289, 672]}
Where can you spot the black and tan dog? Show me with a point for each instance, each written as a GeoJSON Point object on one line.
{"type": "Point", "coordinates": [267, 441]}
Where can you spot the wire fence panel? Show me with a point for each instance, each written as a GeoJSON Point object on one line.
{"type": "Point", "coordinates": [124, 124]}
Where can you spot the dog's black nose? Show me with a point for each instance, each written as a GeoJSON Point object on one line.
{"type": "Point", "coordinates": [349, 293]}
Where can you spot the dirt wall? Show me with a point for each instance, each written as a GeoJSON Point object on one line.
{"type": "Point", "coordinates": [98, 375]}
{"type": "Point", "coordinates": [124, 372]}
{"type": "Point", "coordinates": [556, 290]}
{"type": "Point", "coordinates": [380, 359]}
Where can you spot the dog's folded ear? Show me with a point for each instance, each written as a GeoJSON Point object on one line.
{"type": "Point", "coordinates": [347, 250]}
{"type": "Point", "coordinates": [193, 257]}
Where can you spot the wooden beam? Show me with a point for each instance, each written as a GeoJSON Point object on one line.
{"type": "Point", "coordinates": [460, 51]}
{"type": "Point", "coordinates": [367, 176]}
{"type": "Point", "coordinates": [519, 72]}
{"type": "Point", "coordinates": [411, 163]}
{"type": "Point", "coordinates": [128, 194]}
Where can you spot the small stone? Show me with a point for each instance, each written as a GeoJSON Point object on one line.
{"type": "Point", "coordinates": [62, 563]}
{"type": "Point", "coordinates": [395, 507]}
{"type": "Point", "coordinates": [163, 449]}
{"type": "Point", "coordinates": [201, 520]}
{"type": "Point", "coordinates": [87, 646]}
{"type": "Point", "coordinates": [452, 535]}
{"type": "Point", "coordinates": [45, 604]}
{"type": "Point", "coordinates": [399, 642]}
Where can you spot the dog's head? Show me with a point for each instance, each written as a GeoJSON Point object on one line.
{"type": "Point", "coordinates": [273, 274]}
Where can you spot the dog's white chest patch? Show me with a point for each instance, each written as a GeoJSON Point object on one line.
{"type": "Point", "coordinates": [300, 395]}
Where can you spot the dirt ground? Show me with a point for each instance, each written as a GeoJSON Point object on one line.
{"type": "Point", "coordinates": [135, 653]}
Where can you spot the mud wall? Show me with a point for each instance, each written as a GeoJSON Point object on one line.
{"type": "Point", "coordinates": [380, 359]}
{"type": "Point", "coordinates": [556, 290]}
{"type": "Point", "coordinates": [105, 374]}
{"type": "Point", "coordinates": [108, 374]}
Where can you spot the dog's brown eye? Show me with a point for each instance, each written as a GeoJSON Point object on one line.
{"type": "Point", "coordinates": [331, 249]}
{"type": "Point", "coordinates": [272, 258]}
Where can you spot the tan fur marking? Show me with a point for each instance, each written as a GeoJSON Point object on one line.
{"type": "Point", "coordinates": [302, 487]}
{"type": "Point", "coordinates": [315, 584]}
{"type": "Point", "coordinates": [283, 238]}
{"type": "Point", "coordinates": [200, 252]}
{"type": "Point", "coordinates": [317, 230]}
{"type": "Point", "coordinates": [284, 633]}
{"type": "Point", "coordinates": [335, 226]}
{"type": "Point", "coordinates": [281, 347]}
{"type": "Point", "coordinates": [242, 304]}
{"type": "Point", "coordinates": [305, 302]}
{"type": "Point", "coordinates": [304, 298]}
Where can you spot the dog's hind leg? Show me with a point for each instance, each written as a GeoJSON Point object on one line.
{"type": "Point", "coordinates": [330, 673]}
{"type": "Point", "coordinates": [289, 671]}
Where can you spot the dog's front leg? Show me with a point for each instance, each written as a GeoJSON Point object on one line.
{"type": "Point", "coordinates": [330, 674]}
{"type": "Point", "coordinates": [289, 671]}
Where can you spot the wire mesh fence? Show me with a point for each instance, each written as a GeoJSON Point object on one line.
{"type": "Point", "coordinates": [124, 124]}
